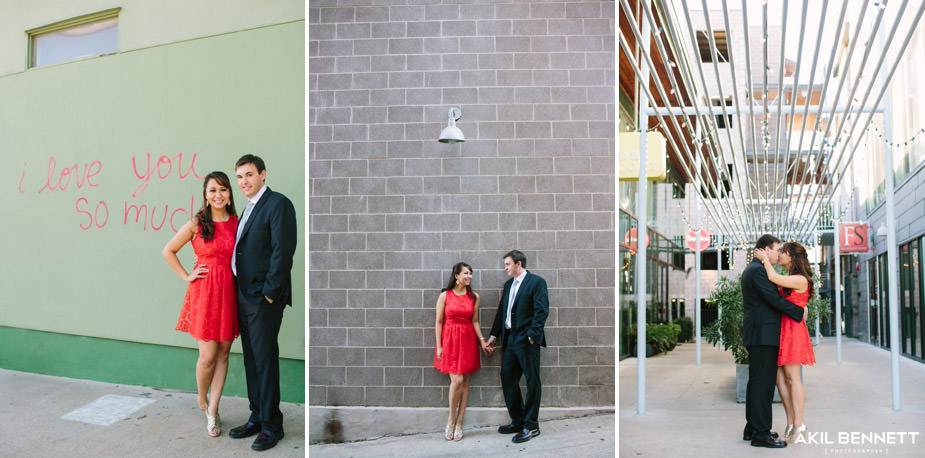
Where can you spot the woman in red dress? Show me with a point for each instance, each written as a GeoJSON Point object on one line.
{"type": "Point", "coordinates": [795, 347]}
{"type": "Point", "coordinates": [209, 310]}
{"type": "Point", "coordinates": [458, 335]}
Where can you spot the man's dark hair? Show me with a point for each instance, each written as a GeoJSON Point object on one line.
{"type": "Point", "coordinates": [251, 159]}
{"type": "Point", "coordinates": [516, 256]}
{"type": "Point", "coordinates": [765, 241]}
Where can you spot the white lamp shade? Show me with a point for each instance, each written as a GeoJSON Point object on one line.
{"type": "Point", "coordinates": [452, 134]}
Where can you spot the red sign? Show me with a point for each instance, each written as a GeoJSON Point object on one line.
{"type": "Point", "coordinates": [691, 240]}
{"type": "Point", "coordinates": [852, 238]}
{"type": "Point", "coordinates": [629, 240]}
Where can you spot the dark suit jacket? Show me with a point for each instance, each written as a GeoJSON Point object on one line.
{"type": "Point", "coordinates": [531, 307]}
{"type": "Point", "coordinates": [763, 307]}
{"type": "Point", "coordinates": [263, 256]}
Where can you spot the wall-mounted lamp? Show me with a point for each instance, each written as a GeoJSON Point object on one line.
{"type": "Point", "coordinates": [451, 133]}
{"type": "Point", "coordinates": [881, 231]}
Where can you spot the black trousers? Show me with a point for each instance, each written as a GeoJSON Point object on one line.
{"type": "Point", "coordinates": [259, 327]}
{"type": "Point", "coordinates": [521, 358]}
{"type": "Point", "coordinates": [762, 373]}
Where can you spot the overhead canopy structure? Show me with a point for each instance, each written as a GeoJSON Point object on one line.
{"type": "Point", "coordinates": [763, 107]}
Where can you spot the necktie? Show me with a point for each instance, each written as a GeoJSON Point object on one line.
{"type": "Point", "coordinates": [510, 303]}
{"type": "Point", "coordinates": [244, 216]}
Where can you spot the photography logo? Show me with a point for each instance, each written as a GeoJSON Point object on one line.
{"type": "Point", "coordinates": [855, 442]}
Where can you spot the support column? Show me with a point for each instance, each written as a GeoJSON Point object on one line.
{"type": "Point", "coordinates": [697, 317]}
{"type": "Point", "coordinates": [836, 289]}
{"type": "Point", "coordinates": [642, 123]}
{"type": "Point", "coordinates": [892, 256]}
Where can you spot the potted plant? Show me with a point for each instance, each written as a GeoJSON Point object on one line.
{"type": "Point", "coordinates": [818, 306]}
{"type": "Point", "coordinates": [727, 296]}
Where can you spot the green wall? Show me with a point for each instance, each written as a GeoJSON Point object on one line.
{"type": "Point", "coordinates": [84, 144]}
{"type": "Point", "coordinates": [117, 361]}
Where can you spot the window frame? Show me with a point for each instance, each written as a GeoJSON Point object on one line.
{"type": "Point", "coordinates": [31, 34]}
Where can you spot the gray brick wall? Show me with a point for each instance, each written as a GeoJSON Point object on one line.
{"type": "Point", "coordinates": [391, 209]}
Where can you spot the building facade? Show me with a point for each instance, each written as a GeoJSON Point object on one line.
{"type": "Point", "coordinates": [897, 131]}
{"type": "Point", "coordinates": [392, 209]}
{"type": "Point", "coordinates": [111, 118]}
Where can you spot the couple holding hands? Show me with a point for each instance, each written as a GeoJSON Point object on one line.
{"type": "Point", "coordinates": [518, 328]}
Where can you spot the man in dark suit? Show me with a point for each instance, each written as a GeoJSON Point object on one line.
{"type": "Point", "coordinates": [262, 261]}
{"type": "Point", "coordinates": [762, 307]}
{"type": "Point", "coordinates": [519, 324]}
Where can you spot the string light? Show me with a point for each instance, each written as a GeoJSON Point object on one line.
{"type": "Point", "coordinates": [887, 142]}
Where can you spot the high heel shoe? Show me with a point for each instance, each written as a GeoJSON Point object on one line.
{"type": "Point", "coordinates": [788, 432]}
{"type": "Point", "coordinates": [448, 432]}
{"type": "Point", "coordinates": [798, 431]}
{"type": "Point", "coordinates": [458, 434]}
{"type": "Point", "coordinates": [213, 425]}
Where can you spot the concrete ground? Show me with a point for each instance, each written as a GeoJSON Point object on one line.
{"type": "Point", "coordinates": [590, 436]}
{"type": "Point", "coordinates": [169, 425]}
{"type": "Point", "coordinates": [691, 410]}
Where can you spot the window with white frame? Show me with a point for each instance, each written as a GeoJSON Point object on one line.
{"type": "Point", "coordinates": [85, 36]}
{"type": "Point", "coordinates": [915, 118]}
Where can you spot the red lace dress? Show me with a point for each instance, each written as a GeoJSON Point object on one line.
{"type": "Point", "coordinates": [210, 307]}
{"type": "Point", "coordinates": [460, 344]}
{"type": "Point", "coordinates": [795, 346]}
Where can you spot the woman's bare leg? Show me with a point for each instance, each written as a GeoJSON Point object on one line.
{"type": "Point", "coordinates": [205, 370]}
{"type": "Point", "coordinates": [784, 391]}
{"type": "Point", "coordinates": [792, 372]}
{"type": "Point", "coordinates": [463, 398]}
{"type": "Point", "coordinates": [456, 381]}
{"type": "Point", "coordinates": [218, 376]}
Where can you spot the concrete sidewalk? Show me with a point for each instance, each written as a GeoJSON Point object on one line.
{"type": "Point", "coordinates": [591, 436]}
{"type": "Point", "coordinates": [691, 410]}
{"type": "Point", "coordinates": [169, 424]}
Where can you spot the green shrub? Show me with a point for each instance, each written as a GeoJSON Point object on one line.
{"type": "Point", "coordinates": [687, 329]}
{"type": "Point", "coordinates": [818, 307]}
{"type": "Point", "coordinates": [728, 299]}
{"type": "Point", "coordinates": [663, 337]}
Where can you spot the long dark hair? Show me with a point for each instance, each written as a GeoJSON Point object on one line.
{"type": "Point", "coordinates": [799, 262]}
{"type": "Point", "coordinates": [204, 215]}
{"type": "Point", "coordinates": [457, 269]}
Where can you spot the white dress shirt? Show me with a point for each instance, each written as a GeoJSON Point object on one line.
{"type": "Point", "coordinates": [518, 280]}
{"type": "Point", "coordinates": [251, 203]}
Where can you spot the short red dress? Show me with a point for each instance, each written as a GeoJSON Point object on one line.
{"type": "Point", "coordinates": [795, 346]}
{"type": "Point", "coordinates": [460, 344]}
{"type": "Point", "coordinates": [210, 307]}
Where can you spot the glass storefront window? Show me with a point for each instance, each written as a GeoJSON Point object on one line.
{"type": "Point", "coordinates": [884, 318]}
{"type": "Point", "coordinates": [662, 255]}
{"type": "Point", "coordinates": [874, 298]}
{"type": "Point", "coordinates": [910, 299]}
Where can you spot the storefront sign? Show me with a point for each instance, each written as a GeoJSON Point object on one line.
{"type": "Point", "coordinates": [691, 240]}
{"type": "Point", "coordinates": [629, 240]}
{"type": "Point", "coordinates": [852, 238]}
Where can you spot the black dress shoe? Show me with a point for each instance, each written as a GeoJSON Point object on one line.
{"type": "Point", "coordinates": [526, 435]}
{"type": "Point", "coordinates": [266, 440]}
{"type": "Point", "coordinates": [769, 443]}
{"type": "Point", "coordinates": [246, 430]}
{"type": "Point", "coordinates": [510, 429]}
{"type": "Point", "coordinates": [748, 436]}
